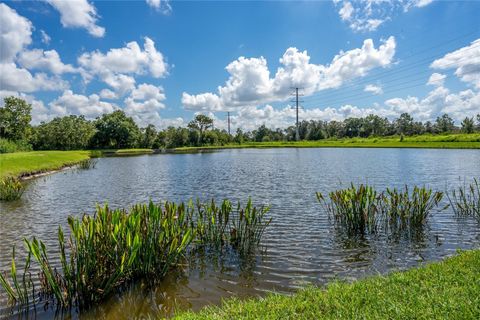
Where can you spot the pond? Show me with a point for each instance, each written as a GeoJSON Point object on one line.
{"type": "Point", "coordinates": [300, 247]}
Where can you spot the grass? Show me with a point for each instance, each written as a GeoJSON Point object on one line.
{"type": "Point", "coordinates": [450, 141]}
{"type": "Point", "coordinates": [27, 163]}
{"type": "Point", "coordinates": [443, 290]}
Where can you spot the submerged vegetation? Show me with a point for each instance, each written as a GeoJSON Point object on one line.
{"type": "Point", "coordinates": [363, 209]}
{"type": "Point", "coordinates": [465, 201]}
{"type": "Point", "coordinates": [441, 290]}
{"type": "Point", "coordinates": [113, 247]}
{"type": "Point", "coordinates": [11, 188]}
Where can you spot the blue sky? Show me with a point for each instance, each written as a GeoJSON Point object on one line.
{"type": "Point", "coordinates": [164, 61]}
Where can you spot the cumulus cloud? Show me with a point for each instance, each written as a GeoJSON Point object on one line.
{"type": "Point", "coordinates": [144, 104]}
{"type": "Point", "coordinates": [45, 37]}
{"type": "Point", "coordinates": [250, 82]}
{"type": "Point", "coordinates": [117, 65]}
{"type": "Point", "coordinates": [90, 106]}
{"type": "Point", "coordinates": [465, 61]}
{"type": "Point", "coordinates": [78, 14]}
{"type": "Point", "coordinates": [44, 60]}
{"type": "Point", "coordinates": [18, 79]}
{"type": "Point", "coordinates": [436, 79]}
{"type": "Point", "coordinates": [15, 33]}
{"type": "Point", "coordinates": [363, 16]}
{"type": "Point", "coordinates": [372, 88]}
{"type": "Point", "coordinates": [162, 6]}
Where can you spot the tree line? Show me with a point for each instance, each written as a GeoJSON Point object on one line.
{"type": "Point", "coordinates": [116, 130]}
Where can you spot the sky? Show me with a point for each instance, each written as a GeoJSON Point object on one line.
{"type": "Point", "coordinates": [162, 62]}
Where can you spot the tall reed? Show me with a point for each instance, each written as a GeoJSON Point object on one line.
{"type": "Point", "coordinates": [86, 164]}
{"type": "Point", "coordinates": [355, 208]}
{"type": "Point", "coordinates": [11, 188]}
{"type": "Point", "coordinates": [409, 209]}
{"type": "Point", "coordinates": [465, 200]}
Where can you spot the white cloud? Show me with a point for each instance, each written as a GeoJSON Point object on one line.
{"type": "Point", "coordinates": [108, 94]}
{"type": "Point", "coordinates": [90, 106]}
{"type": "Point", "coordinates": [45, 37]}
{"type": "Point", "coordinates": [44, 60]}
{"type": "Point", "coordinates": [436, 79]}
{"type": "Point", "coordinates": [78, 14]}
{"type": "Point", "coordinates": [19, 79]}
{"type": "Point", "coordinates": [368, 15]}
{"type": "Point", "coordinates": [116, 66]}
{"type": "Point", "coordinates": [145, 103]}
{"type": "Point", "coordinates": [372, 88]}
{"type": "Point", "coordinates": [465, 61]}
{"type": "Point", "coordinates": [250, 84]}
{"type": "Point", "coordinates": [162, 6]}
{"type": "Point", "coordinates": [15, 33]}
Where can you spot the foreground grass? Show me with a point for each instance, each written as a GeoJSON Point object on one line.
{"type": "Point", "coordinates": [451, 141]}
{"type": "Point", "coordinates": [27, 163]}
{"type": "Point", "coordinates": [444, 290]}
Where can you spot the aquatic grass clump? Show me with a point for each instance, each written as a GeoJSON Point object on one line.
{"type": "Point", "coordinates": [409, 209]}
{"type": "Point", "coordinates": [18, 290]}
{"type": "Point", "coordinates": [363, 209]}
{"type": "Point", "coordinates": [11, 188]}
{"type": "Point", "coordinates": [465, 200]}
{"type": "Point", "coordinates": [86, 164]}
{"type": "Point", "coordinates": [241, 228]}
{"type": "Point", "coordinates": [355, 209]}
{"type": "Point", "coordinates": [111, 248]}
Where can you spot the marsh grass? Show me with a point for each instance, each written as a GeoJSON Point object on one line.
{"type": "Point", "coordinates": [362, 209]}
{"type": "Point", "coordinates": [86, 164]}
{"type": "Point", "coordinates": [112, 248]}
{"type": "Point", "coordinates": [356, 209]}
{"type": "Point", "coordinates": [11, 188]}
{"type": "Point", "coordinates": [465, 200]}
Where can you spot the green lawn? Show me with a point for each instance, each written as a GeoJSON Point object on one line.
{"type": "Point", "coordinates": [451, 141]}
{"type": "Point", "coordinates": [444, 290]}
{"type": "Point", "coordinates": [24, 163]}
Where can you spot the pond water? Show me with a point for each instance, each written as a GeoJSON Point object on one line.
{"type": "Point", "coordinates": [301, 246]}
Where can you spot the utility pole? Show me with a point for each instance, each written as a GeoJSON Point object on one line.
{"type": "Point", "coordinates": [297, 106]}
{"type": "Point", "coordinates": [228, 117]}
{"type": "Point", "coordinates": [297, 134]}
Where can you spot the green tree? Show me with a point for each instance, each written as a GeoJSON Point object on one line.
{"type": "Point", "coordinates": [15, 117]}
{"type": "Point", "coordinates": [444, 124]}
{"type": "Point", "coordinates": [64, 133]}
{"type": "Point", "coordinates": [404, 124]}
{"type": "Point", "coordinates": [201, 123]}
{"type": "Point", "coordinates": [468, 125]}
{"type": "Point", "coordinates": [149, 135]}
{"type": "Point", "coordinates": [116, 130]}
{"type": "Point", "coordinates": [478, 122]}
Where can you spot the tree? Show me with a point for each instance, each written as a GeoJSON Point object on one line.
{"type": "Point", "coordinates": [478, 122]}
{"type": "Point", "coordinates": [444, 124]}
{"type": "Point", "coordinates": [468, 125]}
{"type": "Point", "coordinates": [404, 124]}
{"type": "Point", "coordinates": [353, 127]}
{"type": "Point", "coordinates": [116, 130]}
{"type": "Point", "coordinates": [15, 119]}
{"type": "Point", "coordinates": [64, 133]}
{"type": "Point", "coordinates": [201, 123]}
{"type": "Point", "coordinates": [149, 135]}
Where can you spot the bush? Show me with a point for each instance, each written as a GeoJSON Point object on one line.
{"type": "Point", "coordinates": [9, 146]}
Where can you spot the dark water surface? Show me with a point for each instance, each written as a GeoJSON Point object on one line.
{"type": "Point", "coordinates": [302, 246]}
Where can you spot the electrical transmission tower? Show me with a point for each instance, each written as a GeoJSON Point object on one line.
{"type": "Point", "coordinates": [228, 119]}
{"type": "Point", "coordinates": [297, 106]}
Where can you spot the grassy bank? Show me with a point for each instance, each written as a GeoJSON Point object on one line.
{"type": "Point", "coordinates": [452, 141]}
{"type": "Point", "coordinates": [27, 163]}
{"type": "Point", "coordinates": [444, 290]}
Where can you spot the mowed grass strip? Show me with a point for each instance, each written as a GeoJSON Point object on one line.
{"type": "Point", "coordinates": [26, 163]}
{"type": "Point", "coordinates": [451, 141]}
{"type": "Point", "coordinates": [449, 289]}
